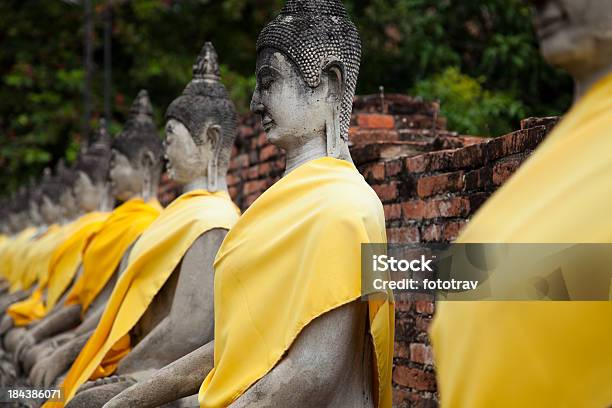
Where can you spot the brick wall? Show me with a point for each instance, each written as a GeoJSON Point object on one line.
{"type": "Point", "coordinates": [430, 181]}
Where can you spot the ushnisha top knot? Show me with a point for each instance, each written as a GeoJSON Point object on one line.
{"type": "Point", "coordinates": [313, 34]}
{"type": "Point", "coordinates": [205, 100]}
{"type": "Point", "coordinates": [95, 162]}
{"type": "Point", "coordinates": [139, 131]}
{"type": "Point", "coordinates": [207, 64]}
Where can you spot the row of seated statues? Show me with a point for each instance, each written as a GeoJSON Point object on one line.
{"type": "Point", "coordinates": [197, 304]}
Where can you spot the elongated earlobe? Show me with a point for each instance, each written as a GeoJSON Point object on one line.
{"type": "Point", "coordinates": [332, 132]}
{"type": "Point", "coordinates": [214, 136]}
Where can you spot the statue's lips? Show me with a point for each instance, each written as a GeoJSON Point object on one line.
{"type": "Point", "coordinates": [267, 123]}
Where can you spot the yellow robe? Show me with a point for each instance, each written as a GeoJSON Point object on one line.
{"type": "Point", "coordinates": [539, 354]}
{"type": "Point", "coordinates": [293, 256]}
{"type": "Point", "coordinates": [152, 261]}
{"type": "Point", "coordinates": [9, 264]}
{"type": "Point", "coordinates": [67, 257]}
{"type": "Point", "coordinates": [37, 270]}
{"type": "Point", "coordinates": [104, 251]}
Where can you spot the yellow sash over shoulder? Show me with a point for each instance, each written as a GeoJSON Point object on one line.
{"type": "Point", "coordinates": [103, 253]}
{"type": "Point", "coordinates": [539, 354]}
{"type": "Point", "coordinates": [66, 258]}
{"type": "Point", "coordinates": [294, 255]}
{"type": "Point", "coordinates": [152, 261]}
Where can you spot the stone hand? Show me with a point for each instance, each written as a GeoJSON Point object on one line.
{"type": "Point", "coordinates": [25, 344]}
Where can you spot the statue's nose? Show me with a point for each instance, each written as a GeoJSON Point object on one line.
{"type": "Point", "coordinates": [256, 105]}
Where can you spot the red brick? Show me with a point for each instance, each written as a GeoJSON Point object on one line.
{"type": "Point", "coordinates": [250, 199]}
{"type": "Point", "coordinates": [440, 183]}
{"type": "Point", "coordinates": [436, 208]}
{"type": "Point", "coordinates": [233, 192]}
{"type": "Point", "coordinates": [403, 305]}
{"type": "Point", "coordinates": [422, 323]}
{"type": "Point", "coordinates": [256, 186]}
{"type": "Point", "coordinates": [239, 161]}
{"type": "Point", "coordinates": [267, 152]}
{"type": "Point", "coordinates": [452, 230]}
{"type": "Point", "coordinates": [455, 159]}
{"type": "Point", "coordinates": [264, 169]}
{"type": "Point", "coordinates": [372, 136]}
{"type": "Point", "coordinates": [480, 179]}
{"type": "Point", "coordinates": [374, 172]}
{"type": "Point", "coordinates": [432, 233]}
{"type": "Point", "coordinates": [245, 132]}
{"type": "Point", "coordinates": [262, 139]}
{"type": "Point", "coordinates": [253, 172]}
{"type": "Point", "coordinates": [421, 353]}
{"type": "Point", "coordinates": [417, 164]}
{"type": "Point", "coordinates": [386, 192]}
{"type": "Point", "coordinates": [424, 306]}
{"type": "Point", "coordinates": [232, 180]}
{"type": "Point", "coordinates": [401, 350]}
{"type": "Point", "coordinates": [393, 211]}
{"type": "Point", "coordinates": [446, 231]}
{"type": "Point", "coordinates": [414, 378]}
{"type": "Point", "coordinates": [403, 235]}
{"type": "Point", "coordinates": [375, 121]}
{"type": "Point", "coordinates": [393, 168]}
{"type": "Point", "coordinates": [504, 169]}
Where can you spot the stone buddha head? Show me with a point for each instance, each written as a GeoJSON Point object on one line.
{"type": "Point", "coordinates": [307, 67]}
{"type": "Point", "coordinates": [50, 207]}
{"type": "Point", "coordinates": [137, 154]}
{"type": "Point", "coordinates": [201, 126]}
{"type": "Point", "coordinates": [575, 35]}
{"type": "Point", "coordinates": [34, 205]}
{"type": "Point", "coordinates": [18, 218]}
{"type": "Point", "coordinates": [91, 187]}
{"type": "Point", "coordinates": [67, 199]}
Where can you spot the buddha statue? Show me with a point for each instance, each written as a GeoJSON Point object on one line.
{"type": "Point", "coordinates": [200, 132]}
{"type": "Point", "coordinates": [559, 195]}
{"type": "Point", "coordinates": [291, 329]}
{"type": "Point", "coordinates": [134, 165]}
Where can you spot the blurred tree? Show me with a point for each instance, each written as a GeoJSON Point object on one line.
{"type": "Point", "coordinates": [479, 58]}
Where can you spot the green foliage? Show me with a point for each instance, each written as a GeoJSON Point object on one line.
{"type": "Point", "coordinates": [479, 58]}
{"type": "Point", "coordinates": [469, 108]}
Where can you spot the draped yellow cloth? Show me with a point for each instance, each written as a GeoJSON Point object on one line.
{"type": "Point", "coordinates": [539, 354]}
{"type": "Point", "coordinates": [17, 244]}
{"type": "Point", "coordinates": [103, 253]}
{"type": "Point", "coordinates": [36, 260]}
{"type": "Point", "coordinates": [37, 269]}
{"type": "Point", "coordinates": [293, 256]}
{"type": "Point", "coordinates": [67, 257]}
{"type": "Point", "coordinates": [151, 262]}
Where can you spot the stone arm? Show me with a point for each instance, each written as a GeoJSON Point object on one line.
{"type": "Point", "coordinates": [319, 369]}
{"type": "Point", "coordinates": [179, 379]}
{"type": "Point", "coordinates": [66, 318]}
{"type": "Point", "coordinates": [59, 322]}
{"type": "Point", "coordinates": [176, 336]}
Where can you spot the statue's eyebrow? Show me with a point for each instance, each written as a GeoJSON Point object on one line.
{"type": "Point", "coordinates": [267, 70]}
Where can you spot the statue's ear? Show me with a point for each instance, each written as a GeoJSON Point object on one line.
{"type": "Point", "coordinates": [147, 159]}
{"type": "Point", "coordinates": [213, 134]}
{"type": "Point", "coordinates": [335, 71]}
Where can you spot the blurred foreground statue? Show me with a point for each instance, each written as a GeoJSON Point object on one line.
{"type": "Point", "coordinates": [162, 306]}
{"type": "Point", "coordinates": [290, 328]}
{"type": "Point", "coordinates": [560, 195]}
